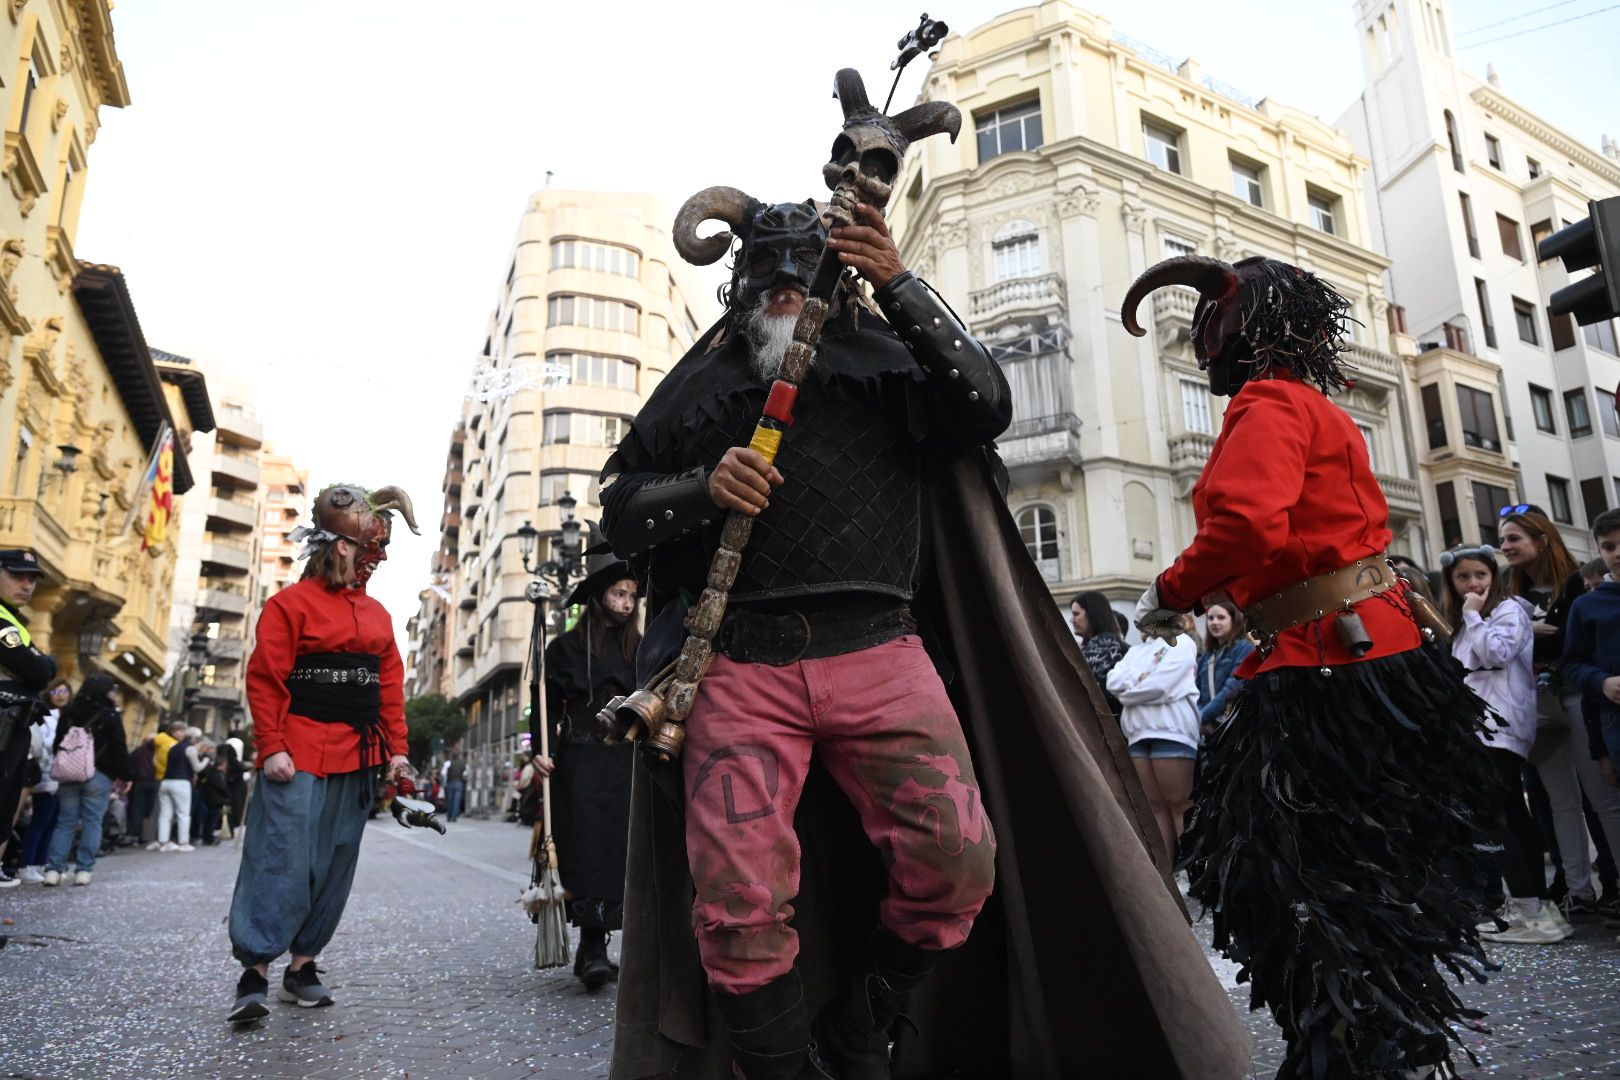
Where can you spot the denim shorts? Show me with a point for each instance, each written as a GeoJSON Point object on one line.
{"type": "Point", "coordinates": [1163, 748]}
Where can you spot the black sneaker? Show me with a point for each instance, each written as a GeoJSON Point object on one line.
{"type": "Point", "coordinates": [252, 990]}
{"type": "Point", "coordinates": [303, 988]}
{"type": "Point", "coordinates": [1580, 907]}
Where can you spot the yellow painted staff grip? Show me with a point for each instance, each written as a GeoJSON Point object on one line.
{"type": "Point", "coordinates": [767, 441]}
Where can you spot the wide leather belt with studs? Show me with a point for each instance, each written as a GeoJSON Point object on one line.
{"type": "Point", "coordinates": [1320, 596]}
{"type": "Point", "coordinates": [780, 638]}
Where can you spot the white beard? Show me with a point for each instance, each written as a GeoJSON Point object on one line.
{"type": "Point", "coordinates": [769, 336]}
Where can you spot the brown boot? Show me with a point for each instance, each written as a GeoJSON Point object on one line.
{"type": "Point", "coordinates": [853, 1029]}
{"type": "Point", "coordinates": [770, 1031]}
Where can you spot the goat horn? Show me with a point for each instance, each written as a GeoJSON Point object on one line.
{"type": "Point", "coordinates": [850, 90]}
{"type": "Point", "coordinates": [725, 204]}
{"type": "Point", "coordinates": [1208, 276]}
{"type": "Point", "coordinates": [929, 118]}
{"type": "Point", "coordinates": [394, 498]}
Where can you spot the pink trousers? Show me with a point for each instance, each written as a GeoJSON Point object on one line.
{"type": "Point", "coordinates": [884, 729]}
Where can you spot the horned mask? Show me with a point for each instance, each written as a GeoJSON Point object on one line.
{"type": "Point", "coordinates": [363, 518]}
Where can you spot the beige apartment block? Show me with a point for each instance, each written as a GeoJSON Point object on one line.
{"type": "Point", "coordinates": [428, 658]}
{"type": "Point", "coordinates": [1512, 405]}
{"type": "Point", "coordinates": [594, 307]}
{"type": "Point", "coordinates": [1085, 158]}
{"type": "Point", "coordinates": [217, 591]}
{"type": "Point", "coordinates": [286, 506]}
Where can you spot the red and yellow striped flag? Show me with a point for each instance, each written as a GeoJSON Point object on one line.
{"type": "Point", "coordinates": [161, 478]}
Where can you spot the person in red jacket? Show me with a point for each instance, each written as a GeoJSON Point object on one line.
{"type": "Point", "coordinates": [1340, 805]}
{"type": "Point", "coordinates": [326, 687]}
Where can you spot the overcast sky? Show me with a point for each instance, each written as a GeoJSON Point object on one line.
{"type": "Point", "coordinates": [320, 197]}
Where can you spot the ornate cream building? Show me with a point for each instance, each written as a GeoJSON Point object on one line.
{"type": "Point", "coordinates": [1513, 404]}
{"type": "Point", "coordinates": [1085, 158]}
{"type": "Point", "coordinates": [82, 403]}
{"type": "Point", "coordinates": [593, 309]}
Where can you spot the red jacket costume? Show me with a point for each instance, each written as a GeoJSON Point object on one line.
{"type": "Point", "coordinates": [311, 617]}
{"type": "Point", "coordinates": [1288, 493]}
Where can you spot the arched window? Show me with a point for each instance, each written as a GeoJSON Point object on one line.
{"type": "Point", "coordinates": [1038, 527]}
{"type": "Point", "coordinates": [1016, 250]}
{"type": "Point", "coordinates": [1456, 143]}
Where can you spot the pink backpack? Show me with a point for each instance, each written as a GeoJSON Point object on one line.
{"type": "Point", "coordinates": [76, 758]}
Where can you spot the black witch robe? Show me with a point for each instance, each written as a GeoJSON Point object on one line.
{"type": "Point", "coordinates": [590, 789]}
{"type": "Point", "coordinates": [1081, 964]}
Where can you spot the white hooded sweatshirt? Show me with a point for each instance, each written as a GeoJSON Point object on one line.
{"type": "Point", "coordinates": [1157, 687]}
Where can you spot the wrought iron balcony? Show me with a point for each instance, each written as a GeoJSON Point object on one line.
{"type": "Point", "coordinates": [1041, 440]}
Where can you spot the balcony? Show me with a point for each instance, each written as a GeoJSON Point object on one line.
{"type": "Point", "coordinates": [1373, 364]}
{"type": "Point", "coordinates": [235, 468]}
{"type": "Point", "coordinates": [1401, 494]}
{"type": "Point", "coordinates": [226, 649]}
{"type": "Point", "coordinates": [236, 513]}
{"type": "Point", "coordinates": [1172, 306]}
{"type": "Point", "coordinates": [222, 601]}
{"type": "Point", "coordinates": [1041, 440]}
{"type": "Point", "coordinates": [450, 523]}
{"type": "Point", "coordinates": [227, 555]}
{"type": "Point", "coordinates": [1017, 297]}
{"type": "Point", "coordinates": [219, 692]}
{"type": "Point", "coordinates": [1188, 455]}
{"type": "Point", "coordinates": [237, 428]}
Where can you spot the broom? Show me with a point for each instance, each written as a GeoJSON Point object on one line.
{"type": "Point", "coordinates": [551, 941]}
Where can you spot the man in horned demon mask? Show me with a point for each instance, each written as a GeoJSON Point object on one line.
{"type": "Point", "coordinates": [326, 687]}
{"type": "Point", "coordinates": [881, 554]}
{"type": "Point", "coordinates": [1336, 818]}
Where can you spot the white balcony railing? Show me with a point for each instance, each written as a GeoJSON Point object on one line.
{"type": "Point", "coordinates": [1025, 294]}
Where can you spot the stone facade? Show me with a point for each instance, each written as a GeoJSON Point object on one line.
{"type": "Point", "coordinates": [1084, 159]}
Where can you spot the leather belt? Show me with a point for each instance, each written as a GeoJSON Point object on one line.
{"type": "Point", "coordinates": [1320, 596]}
{"type": "Point", "coordinates": [358, 676]}
{"type": "Point", "coordinates": [780, 638]}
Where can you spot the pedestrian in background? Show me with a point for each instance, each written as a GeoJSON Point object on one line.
{"type": "Point", "coordinates": [1493, 640]}
{"type": "Point", "coordinates": [1542, 572]}
{"type": "Point", "coordinates": [174, 790]}
{"type": "Point", "coordinates": [1156, 683]}
{"type": "Point", "coordinates": [1096, 625]}
{"type": "Point", "coordinates": [43, 802]}
{"type": "Point", "coordinates": [1226, 645]}
{"type": "Point", "coordinates": [1594, 573]}
{"type": "Point", "coordinates": [24, 672]}
{"type": "Point", "coordinates": [143, 795]}
{"type": "Point", "coordinates": [455, 785]}
{"type": "Point", "coordinates": [96, 709]}
{"type": "Point", "coordinates": [236, 780]}
{"type": "Point", "coordinates": [200, 756]}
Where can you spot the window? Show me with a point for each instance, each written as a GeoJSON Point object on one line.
{"type": "Point", "coordinates": [1607, 416]}
{"type": "Point", "coordinates": [1488, 499]}
{"type": "Point", "coordinates": [1246, 183]}
{"type": "Point", "coordinates": [1016, 127]}
{"type": "Point", "coordinates": [590, 369]}
{"type": "Point", "coordinates": [1508, 230]}
{"type": "Point", "coordinates": [1016, 250]}
{"type": "Point", "coordinates": [1539, 232]}
{"type": "Point", "coordinates": [1484, 297]}
{"type": "Point", "coordinates": [34, 77]}
{"type": "Point", "coordinates": [1600, 335]}
{"type": "Point", "coordinates": [1561, 329]}
{"type": "Point", "coordinates": [1322, 210]}
{"type": "Point", "coordinates": [25, 445]}
{"type": "Point", "coordinates": [1534, 168]}
{"type": "Point", "coordinates": [589, 255]}
{"type": "Point", "coordinates": [1541, 405]}
{"type": "Point", "coordinates": [1493, 152]}
{"type": "Point", "coordinates": [594, 312]}
{"type": "Point", "coordinates": [1433, 418]}
{"type": "Point", "coordinates": [1468, 223]}
{"type": "Point", "coordinates": [1524, 314]}
{"type": "Point", "coordinates": [1175, 246]}
{"type": "Point", "coordinates": [1558, 499]}
{"type": "Point", "coordinates": [1367, 435]}
{"type": "Point", "coordinates": [1038, 526]}
{"type": "Point", "coordinates": [1456, 144]}
{"type": "Point", "coordinates": [1195, 411]}
{"type": "Point", "coordinates": [581, 429]}
{"type": "Point", "coordinates": [1445, 497]}
{"type": "Point", "coordinates": [1162, 146]}
{"type": "Point", "coordinates": [1580, 418]}
{"type": "Point", "coordinates": [1477, 410]}
{"type": "Point", "coordinates": [581, 485]}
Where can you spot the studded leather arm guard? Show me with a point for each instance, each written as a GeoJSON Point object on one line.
{"type": "Point", "coordinates": [967, 383]}
{"type": "Point", "coordinates": [658, 509]}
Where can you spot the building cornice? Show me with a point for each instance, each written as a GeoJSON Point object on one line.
{"type": "Point", "coordinates": [102, 51]}
{"type": "Point", "coordinates": [1493, 100]}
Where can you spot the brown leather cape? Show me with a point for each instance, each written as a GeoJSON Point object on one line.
{"type": "Point", "coordinates": [1082, 963]}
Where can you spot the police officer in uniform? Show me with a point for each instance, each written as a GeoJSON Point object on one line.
{"type": "Point", "coordinates": [24, 674]}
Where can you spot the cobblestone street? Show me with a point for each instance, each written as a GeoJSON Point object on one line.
{"type": "Point", "coordinates": [131, 978]}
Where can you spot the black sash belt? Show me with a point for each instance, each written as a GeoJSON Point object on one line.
{"type": "Point", "coordinates": [342, 688]}
{"type": "Point", "coordinates": [780, 638]}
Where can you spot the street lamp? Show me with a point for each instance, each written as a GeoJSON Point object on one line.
{"type": "Point", "coordinates": [528, 540]}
